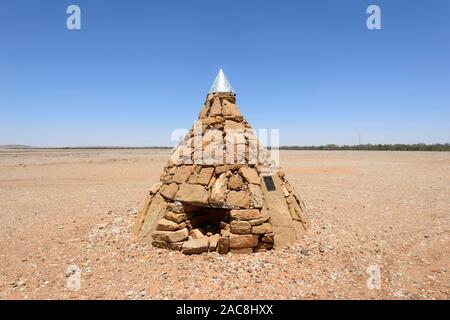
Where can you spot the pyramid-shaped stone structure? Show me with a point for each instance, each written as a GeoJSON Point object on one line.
{"type": "Point", "coordinates": [220, 190]}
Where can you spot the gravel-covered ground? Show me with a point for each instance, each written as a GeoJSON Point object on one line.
{"type": "Point", "coordinates": [69, 209]}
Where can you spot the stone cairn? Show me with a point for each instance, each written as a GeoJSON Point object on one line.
{"type": "Point", "coordinates": [212, 194]}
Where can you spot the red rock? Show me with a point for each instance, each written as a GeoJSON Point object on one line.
{"type": "Point", "coordinates": [262, 228]}
{"type": "Point", "coordinates": [213, 240]}
{"type": "Point", "coordinates": [171, 236]}
{"type": "Point", "coordinates": [218, 191]}
{"type": "Point", "coordinates": [243, 241]}
{"type": "Point", "coordinates": [235, 182]}
{"type": "Point", "coordinates": [230, 110]}
{"type": "Point", "coordinates": [193, 194]}
{"type": "Point", "coordinates": [249, 214]}
{"type": "Point", "coordinates": [167, 225]}
{"type": "Point", "coordinates": [240, 227]}
{"type": "Point", "coordinates": [169, 190]}
{"type": "Point", "coordinates": [239, 199]}
{"type": "Point", "coordinates": [155, 188]}
{"type": "Point", "coordinates": [196, 234]}
{"type": "Point", "coordinates": [182, 174]}
{"type": "Point", "coordinates": [257, 200]}
{"type": "Point", "coordinates": [195, 246]}
{"type": "Point", "coordinates": [250, 175]}
{"type": "Point", "coordinates": [233, 125]}
{"type": "Point", "coordinates": [175, 217]}
{"type": "Point", "coordinates": [216, 108]}
{"type": "Point", "coordinates": [223, 245]}
{"type": "Point", "coordinates": [205, 176]}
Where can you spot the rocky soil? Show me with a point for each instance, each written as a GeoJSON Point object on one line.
{"type": "Point", "coordinates": [69, 212]}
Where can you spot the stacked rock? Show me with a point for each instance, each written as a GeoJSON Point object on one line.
{"type": "Point", "coordinates": [211, 194]}
{"type": "Point", "coordinates": [188, 191]}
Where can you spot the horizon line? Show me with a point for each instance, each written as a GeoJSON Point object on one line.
{"type": "Point", "coordinates": [285, 147]}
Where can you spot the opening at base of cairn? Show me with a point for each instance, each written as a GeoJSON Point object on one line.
{"type": "Point", "coordinates": [195, 230]}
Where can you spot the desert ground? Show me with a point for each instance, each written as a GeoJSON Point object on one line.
{"type": "Point", "coordinates": [368, 210]}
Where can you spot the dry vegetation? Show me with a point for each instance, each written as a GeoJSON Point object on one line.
{"type": "Point", "coordinates": [75, 207]}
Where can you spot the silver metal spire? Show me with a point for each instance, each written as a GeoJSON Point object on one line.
{"type": "Point", "coordinates": [221, 84]}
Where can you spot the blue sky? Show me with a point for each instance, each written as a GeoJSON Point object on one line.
{"type": "Point", "coordinates": [137, 70]}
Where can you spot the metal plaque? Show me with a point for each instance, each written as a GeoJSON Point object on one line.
{"type": "Point", "coordinates": [270, 185]}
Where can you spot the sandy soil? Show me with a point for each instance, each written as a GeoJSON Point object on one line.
{"type": "Point", "coordinates": [388, 210]}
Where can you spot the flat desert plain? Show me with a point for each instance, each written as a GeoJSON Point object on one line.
{"type": "Point", "coordinates": [69, 212]}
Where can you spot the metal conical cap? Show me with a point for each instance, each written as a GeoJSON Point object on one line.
{"type": "Point", "coordinates": [221, 84]}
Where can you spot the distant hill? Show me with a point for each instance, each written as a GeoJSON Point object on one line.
{"type": "Point", "coordinates": [15, 146]}
{"type": "Point", "coordinates": [19, 146]}
{"type": "Point", "coordinates": [376, 147]}
{"type": "Point", "coordinates": [112, 147]}
{"type": "Point", "coordinates": [334, 147]}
